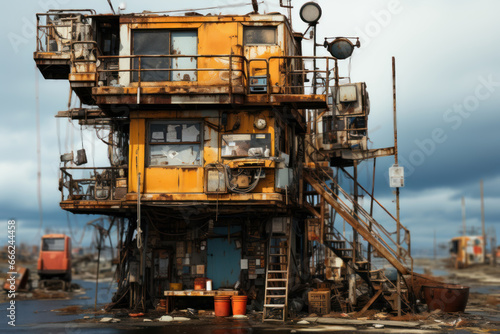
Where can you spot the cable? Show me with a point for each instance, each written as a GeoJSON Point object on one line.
{"type": "Point", "coordinates": [206, 8]}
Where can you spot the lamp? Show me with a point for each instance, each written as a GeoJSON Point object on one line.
{"type": "Point", "coordinates": [310, 12]}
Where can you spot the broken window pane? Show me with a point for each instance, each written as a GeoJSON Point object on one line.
{"type": "Point", "coordinates": [175, 144]}
{"type": "Point", "coordinates": [157, 133]}
{"type": "Point", "coordinates": [175, 155]}
{"type": "Point", "coordinates": [259, 35]}
{"type": "Point", "coordinates": [246, 145]}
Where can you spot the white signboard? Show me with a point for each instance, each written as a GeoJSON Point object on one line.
{"type": "Point", "coordinates": [396, 176]}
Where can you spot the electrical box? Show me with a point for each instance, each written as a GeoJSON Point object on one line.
{"type": "Point", "coordinates": [279, 224]}
{"type": "Point", "coordinates": [347, 93]}
{"type": "Point", "coordinates": [258, 84]}
{"type": "Point", "coordinates": [215, 180]}
{"type": "Point", "coordinates": [351, 99]}
{"type": "Point", "coordinates": [396, 176]}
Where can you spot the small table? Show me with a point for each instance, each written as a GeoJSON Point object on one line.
{"type": "Point", "coordinates": [171, 294]}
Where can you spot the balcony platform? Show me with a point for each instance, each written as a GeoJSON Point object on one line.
{"type": "Point", "coordinates": [201, 203]}
{"type": "Point", "coordinates": [200, 96]}
{"type": "Point", "coordinates": [53, 65]}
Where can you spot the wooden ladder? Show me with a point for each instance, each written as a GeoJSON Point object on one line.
{"type": "Point", "coordinates": [277, 275]}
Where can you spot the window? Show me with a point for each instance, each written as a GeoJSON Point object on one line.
{"type": "Point", "coordinates": [246, 145]}
{"type": "Point", "coordinates": [53, 244]}
{"type": "Point", "coordinates": [159, 42]}
{"type": "Point", "coordinates": [175, 144]}
{"type": "Point", "coordinates": [259, 35]}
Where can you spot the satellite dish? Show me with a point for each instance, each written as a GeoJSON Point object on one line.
{"type": "Point", "coordinates": [340, 48]}
{"type": "Point", "coordinates": [310, 12]}
{"type": "Point", "coordinates": [122, 6]}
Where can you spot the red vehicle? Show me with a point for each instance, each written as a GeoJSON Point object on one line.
{"type": "Point", "coordinates": [54, 261]}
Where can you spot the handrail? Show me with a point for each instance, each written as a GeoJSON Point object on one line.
{"type": "Point", "coordinates": [402, 253]}
{"type": "Point", "coordinates": [375, 200]}
{"type": "Point", "coordinates": [197, 69]}
{"type": "Point", "coordinates": [340, 237]}
{"type": "Point", "coordinates": [43, 30]}
{"type": "Point", "coordinates": [326, 71]}
{"type": "Point", "coordinates": [87, 188]}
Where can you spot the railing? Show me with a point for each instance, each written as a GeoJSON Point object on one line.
{"type": "Point", "coordinates": [48, 30]}
{"type": "Point", "coordinates": [285, 74]}
{"type": "Point", "coordinates": [375, 229]}
{"type": "Point", "coordinates": [369, 223]}
{"type": "Point", "coordinates": [100, 185]}
{"type": "Point", "coordinates": [236, 64]}
{"type": "Point", "coordinates": [295, 75]}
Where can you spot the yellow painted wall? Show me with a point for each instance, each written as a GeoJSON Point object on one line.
{"type": "Point", "coordinates": [171, 179]}
{"type": "Point", "coordinates": [216, 38]}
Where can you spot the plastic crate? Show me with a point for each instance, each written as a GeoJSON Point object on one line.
{"type": "Point", "coordinates": [319, 302]}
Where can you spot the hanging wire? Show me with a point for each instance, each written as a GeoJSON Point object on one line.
{"type": "Point", "coordinates": [243, 4]}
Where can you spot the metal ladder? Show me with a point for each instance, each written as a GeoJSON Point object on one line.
{"type": "Point", "coordinates": [277, 275]}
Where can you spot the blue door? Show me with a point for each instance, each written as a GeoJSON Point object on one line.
{"type": "Point", "coordinates": [223, 260]}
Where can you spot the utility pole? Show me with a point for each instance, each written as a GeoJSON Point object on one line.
{"type": "Point", "coordinates": [396, 160]}
{"type": "Point", "coordinates": [435, 247]}
{"type": "Point", "coordinates": [463, 217]}
{"type": "Point", "coordinates": [482, 221]}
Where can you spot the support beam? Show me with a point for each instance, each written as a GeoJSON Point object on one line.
{"type": "Point", "coordinates": [371, 301]}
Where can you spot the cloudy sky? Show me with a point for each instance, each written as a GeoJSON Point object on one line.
{"type": "Point", "coordinates": [448, 81]}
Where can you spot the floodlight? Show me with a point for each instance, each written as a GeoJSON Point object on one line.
{"type": "Point", "coordinates": [340, 48]}
{"type": "Point", "coordinates": [310, 12]}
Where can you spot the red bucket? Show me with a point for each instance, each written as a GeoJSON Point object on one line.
{"type": "Point", "coordinates": [222, 306]}
{"type": "Point", "coordinates": [239, 304]}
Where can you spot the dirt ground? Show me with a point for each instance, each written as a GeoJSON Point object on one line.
{"type": "Point", "coordinates": [482, 313]}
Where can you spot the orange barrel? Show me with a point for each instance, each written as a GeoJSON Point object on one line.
{"type": "Point", "coordinates": [239, 304]}
{"type": "Point", "coordinates": [222, 306]}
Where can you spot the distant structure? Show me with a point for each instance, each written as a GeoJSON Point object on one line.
{"type": "Point", "coordinates": [467, 250]}
{"type": "Point", "coordinates": [225, 149]}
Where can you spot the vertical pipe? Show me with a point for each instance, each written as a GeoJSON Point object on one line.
{"type": "Point", "coordinates": [482, 221]}
{"type": "Point", "coordinates": [315, 112]}
{"type": "Point", "coordinates": [354, 232]}
{"type": "Point", "coordinates": [396, 160]}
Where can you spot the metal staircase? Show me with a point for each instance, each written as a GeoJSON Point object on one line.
{"type": "Point", "coordinates": [277, 276]}
{"type": "Point", "coordinates": [326, 189]}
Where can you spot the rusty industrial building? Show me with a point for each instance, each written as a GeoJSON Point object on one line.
{"type": "Point", "coordinates": [226, 145]}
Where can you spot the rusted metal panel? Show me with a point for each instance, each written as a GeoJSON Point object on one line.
{"type": "Point", "coordinates": [184, 43]}
{"type": "Point", "coordinates": [86, 77]}
{"type": "Point", "coordinates": [137, 154]}
{"type": "Point", "coordinates": [201, 197]}
{"type": "Point", "coordinates": [367, 154]}
{"type": "Point", "coordinates": [251, 163]}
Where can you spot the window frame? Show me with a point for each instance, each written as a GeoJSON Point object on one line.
{"type": "Point", "coordinates": [149, 142]}
{"type": "Point", "coordinates": [56, 242]}
{"type": "Point", "coordinates": [134, 76]}
{"type": "Point", "coordinates": [247, 27]}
